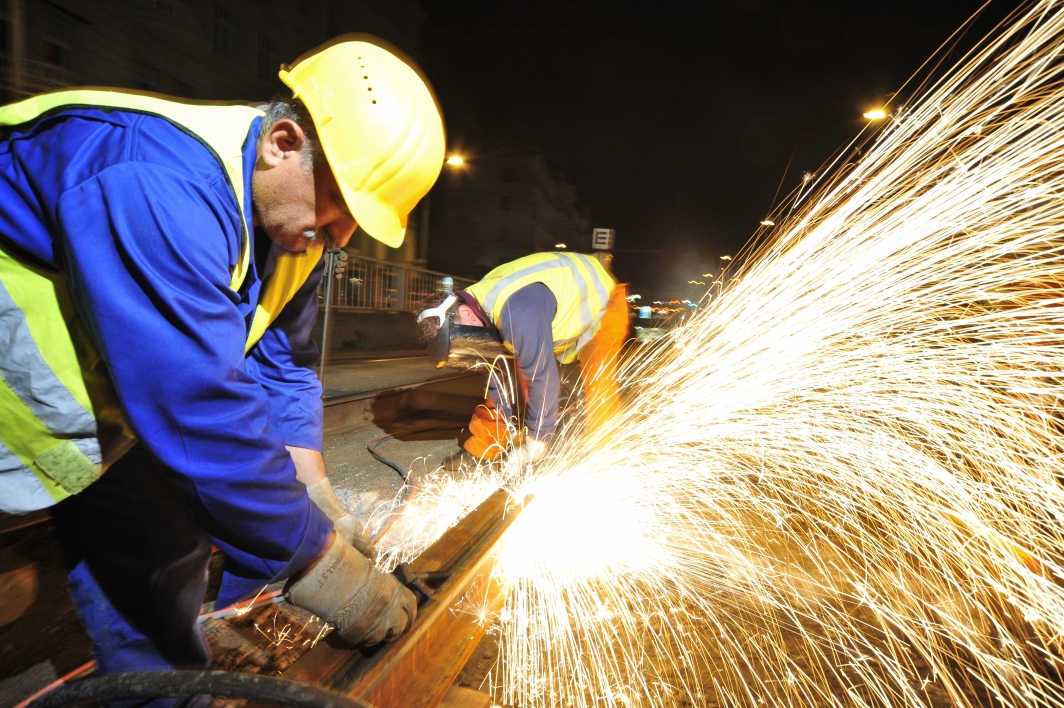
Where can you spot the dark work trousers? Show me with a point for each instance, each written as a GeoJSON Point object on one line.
{"type": "Point", "coordinates": [138, 569]}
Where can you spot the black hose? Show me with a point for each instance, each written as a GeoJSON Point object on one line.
{"type": "Point", "coordinates": [222, 684]}
{"type": "Point", "coordinates": [408, 488]}
{"type": "Point", "coordinates": [372, 447]}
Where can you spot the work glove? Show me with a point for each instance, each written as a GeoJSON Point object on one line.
{"type": "Point", "coordinates": [532, 451]}
{"type": "Point", "coordinates": [344, 522]}
{"type": "Point", "coordinates": [343, 587]}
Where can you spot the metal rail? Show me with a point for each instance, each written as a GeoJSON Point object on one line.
{"type": "Point", "coordinates": [354, 410]}
{"type": "Point", "coordinates": [418, 670]}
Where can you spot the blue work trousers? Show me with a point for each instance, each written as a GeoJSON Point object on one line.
{"type": "Point", "coordinates": [138, 569]}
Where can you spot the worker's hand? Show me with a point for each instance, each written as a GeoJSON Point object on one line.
{"type": "Point", "coordinates": [349, 528]}
{"type": "Point", "coordinates": [343, 587]}
{"type": "Point", "coordinates": [344, 522]}
{"type": "Point", "coordinates": [532, 451]}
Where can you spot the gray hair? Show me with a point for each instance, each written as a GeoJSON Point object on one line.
{"type": "Point", "coordinates": [292, 109]}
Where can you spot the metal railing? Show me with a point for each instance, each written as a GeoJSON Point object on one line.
{"type": "Point", "coordinates": [370, 284]}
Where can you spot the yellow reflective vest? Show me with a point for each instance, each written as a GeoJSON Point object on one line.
{"type": "Point", "coordinates": [580, 284]}
{"type": "Point", "coordinates": [62, 424]}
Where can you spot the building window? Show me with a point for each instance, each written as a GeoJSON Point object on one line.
{"type": "Point", "coordinates": [268, 60]}
{"type": "Point", "coordinates": [223, 31]}
{"type": "Point", "coordinates": [504, 203]}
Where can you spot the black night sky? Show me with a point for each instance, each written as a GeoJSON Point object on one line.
{"type": "Point", "coordinates": [679, 121]}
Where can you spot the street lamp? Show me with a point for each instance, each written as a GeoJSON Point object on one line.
{"type": "Point", "coordinates": [560, 246]}
{"type": "Point", "coordinates": [455, 161]}
{"type": "Point", "coordinates": [877, 114]}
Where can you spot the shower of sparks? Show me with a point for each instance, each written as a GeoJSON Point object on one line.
{"type": "Point", "coordinates": [285, 635]}
{"type": "Point", "coordinates": [839, 484]}
{"type": "Point", "coordinates": [250, 604]}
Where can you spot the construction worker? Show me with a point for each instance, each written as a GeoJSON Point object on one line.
{"type": "Point", "coordinates": [159, 268]}
{"type": "Point", "coordinates": [545, 308]}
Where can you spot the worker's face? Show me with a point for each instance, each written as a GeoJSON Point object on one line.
{"type": "Point", "coordinates": [293, 206]}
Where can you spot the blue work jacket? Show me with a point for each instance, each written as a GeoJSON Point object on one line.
{"type": "Point", "coordinates": [138, 217]}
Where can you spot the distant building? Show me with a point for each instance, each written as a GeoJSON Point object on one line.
{"type": "Point", "coordinates": [201, 49]}
{"type": "Point", "coordinates": [499, 205]}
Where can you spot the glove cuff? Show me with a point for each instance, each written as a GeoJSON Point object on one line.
{"type": "Point", "coordinates": [323, 496]}
{"type": "Point", "coordinates": [351, 530]}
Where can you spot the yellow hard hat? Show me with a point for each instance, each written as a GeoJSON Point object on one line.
{"type": "Point", "coordinates": [379, 126]}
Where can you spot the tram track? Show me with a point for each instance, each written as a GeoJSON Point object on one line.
{"type": "Point", "coordinates": [350, 411]}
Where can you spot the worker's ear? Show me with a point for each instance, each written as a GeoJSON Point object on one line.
{"type": "Point", "coordinates": [466, 316]}
{"type": "Point", "coordinates": [283, 141]}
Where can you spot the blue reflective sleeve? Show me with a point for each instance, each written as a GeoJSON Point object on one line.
{"type": "Point", "coordinates": [283, 362]}
{"type": "Point", "coordinates": [525, 322]}
{"type": "Point", "coordinates": [144, 248]}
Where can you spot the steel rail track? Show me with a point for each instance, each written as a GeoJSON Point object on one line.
{"type": "Point", "coordinates": [360, 409]}
{"type": "Point", "coordinates": [419, 669]}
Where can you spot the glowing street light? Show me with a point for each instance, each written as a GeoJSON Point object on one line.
{"type": "Point", "coordinates": [768, 222]}
{"type": "Point", "coordinates": [877, 114]}
{"type": "Point", "coordinates": [455, 161]}
{"type": "Point", "coordinates": [560, 246]}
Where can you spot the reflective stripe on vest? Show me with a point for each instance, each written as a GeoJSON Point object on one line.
{"type": "Point", "coordinates": [50, 438]}
{"type": "Point", "coordinates": [580, 284]}
{"type": "Point", "coordinates": [62, 423]}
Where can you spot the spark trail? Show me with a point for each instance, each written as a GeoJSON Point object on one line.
{"type": "Point", "coordinates": [840, 483]}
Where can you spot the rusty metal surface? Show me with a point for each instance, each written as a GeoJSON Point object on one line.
{"type": "Point", "coordinates": [458, 697]}
{"type": "Point", "coordinates": [266, 640]}
{"type": "Point", "coordinates": [418, 670]}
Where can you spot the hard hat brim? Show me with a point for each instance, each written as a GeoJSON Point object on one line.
{"type": "Point", "coordinates": [381, 223]}
{"type": "Point", "coordinates": [375, 202]}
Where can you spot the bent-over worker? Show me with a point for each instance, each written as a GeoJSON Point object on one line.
{"type": "Point", "coordinates": [159, 268]}
{"type": "Point", "coordinates": [545, 308]}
